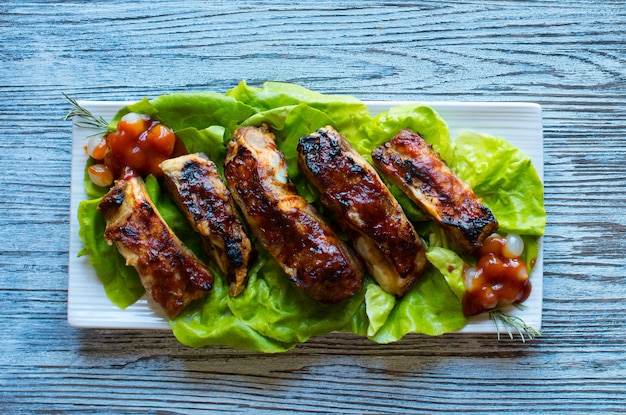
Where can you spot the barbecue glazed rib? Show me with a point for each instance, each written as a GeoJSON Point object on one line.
{"type": "Point", "coordinates": [350, 187]}
{"type": "Point", "coordinates": [196, 185]}
{"type": "Point", "coordinates": [412, 164]}
{"type": "Point", "coordinates": [286, 225]}
{"type": "Point", "coordinates": [169, 271]}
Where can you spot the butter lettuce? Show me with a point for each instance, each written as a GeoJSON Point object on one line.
{"type": "Point", "coordinates": [346, 112]}
{"type": "Point", "coordinates": [197, 110]}
{"type": "Point", "coordinates": [211, 322]}
{"type": "Point", "coordinates": [504, 178]}
{"type": "Point", "coordinates": [378, 305]}
{"type": "Point", "coordinates": [293, 111]}
{"type": "Point", "coordinates": [430, 307]}
{"type": "Point", "coordinates": [450, 265]}
{"type": "Point", "coordinates": [272, 315]}
{"type": "Point", "coordinates": [273, 306]}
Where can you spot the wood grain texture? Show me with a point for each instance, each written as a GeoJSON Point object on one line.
{"type": "Point", "coordinates": [569, 56]}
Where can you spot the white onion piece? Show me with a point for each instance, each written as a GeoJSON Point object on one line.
{"type": "Point", "coordinates": [132, 117]}
{"type": "Point", "coordinates": [100, 175]}
{"type": "Point", "coordinates": [514, 246]}
{"type": "Point", "coordinates": [93, 142]}
{"type": "Point", "coordinates": [469, 275]}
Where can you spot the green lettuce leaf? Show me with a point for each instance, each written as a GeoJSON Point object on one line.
{"type": "Point", "coordinates": [197, 110]}
{"type": "Point", "coordinates": [450, 265]}
{"type": "Point", "coordinates": [349, 115]}
{"type": "Point", "coordinates": [359, 323]}
{"type": "Point", "coordinates": [378, 306]}
{"type": "Point", "coordinates": [273, 306]}
{"type": "Point", "coordinates": [505, 179]}
{"type": "Point", "coordinates": [346, 111]}
{"type": "Point", "coordinates": [531, 250]}
{"type": "Point", "coordinates": [271, 315]}
{"type": "Point", "coordinates": [430, 307]}
{"type": "Point", "coordinates": [210, 322]}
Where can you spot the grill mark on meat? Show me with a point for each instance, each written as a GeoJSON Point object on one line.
{"type": "Point", "coordinates": [352, 189]}
{"type": "Point", "coordinates": [418, 170]}
{"type": "Point", "coordinates": [170, 272]}
{"type": "Point", "coordinates": [197, 188]}
{"type": "Point", "coordinates": [286, 225]}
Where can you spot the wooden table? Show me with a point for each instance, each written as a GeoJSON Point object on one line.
{"type": "Point", "coordinates": [568, 56]}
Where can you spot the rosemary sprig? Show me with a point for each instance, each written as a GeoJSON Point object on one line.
{"type": "Point", "coordinates": [512, 324]}
{"type": "Point", "coordinates": [88, 119]}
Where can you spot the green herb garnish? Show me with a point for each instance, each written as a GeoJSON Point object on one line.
{"type": "Point", "coordinates": [88, 119]}
{"type": "Point", "coordinates": [513, 323]}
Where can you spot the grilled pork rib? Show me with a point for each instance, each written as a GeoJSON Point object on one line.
{"type": "Point", "coordinates": [195, 184]}
{"type": "Point", "coordinates": [286, 225]}
{"type": "Point", "coordinates": [412, 164]}
{"type": "Point", "coordinates": [350, 187]}
{"type": "Point", "coordinates": [169, 271]}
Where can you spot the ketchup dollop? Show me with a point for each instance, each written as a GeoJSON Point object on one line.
{"type": "Point", "coordinates": [499, 278]}
{"type": "Point", "coordinates": [139, 142]}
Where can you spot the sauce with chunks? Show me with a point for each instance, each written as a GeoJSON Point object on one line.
{"type": "Point", "coordinates": [139, 142]}
{"type": "Point", "coordinates": [499, 278]}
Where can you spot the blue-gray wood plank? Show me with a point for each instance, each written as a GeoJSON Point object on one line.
{"type": "Point", "coordinates": [569, 56]}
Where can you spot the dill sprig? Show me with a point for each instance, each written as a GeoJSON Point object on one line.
{"type": "Point", "coordinates": [513, 324]}
{"type": "Point", "coordinates": [88, 119]}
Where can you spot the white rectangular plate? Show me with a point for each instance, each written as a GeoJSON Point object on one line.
{"type": "Point", "coordinates": [89, 307]}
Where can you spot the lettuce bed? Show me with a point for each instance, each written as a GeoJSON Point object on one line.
{"type": "Point", "coordinates": [271, 315]}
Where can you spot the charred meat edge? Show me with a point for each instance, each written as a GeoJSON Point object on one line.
{"type": "Point", "coordinates": [169, 271]}
{"type": "Point", "coordinates": [285, 224]}
{"type": "Point", "coordinates": [408, 161]}
{"type": "Point", "coordinates": [350, 187]}
{"type": "Point", "coordinates": [197, 188]}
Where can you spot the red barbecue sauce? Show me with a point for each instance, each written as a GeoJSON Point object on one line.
{"type": "Point", "coordinates": [496, 280]}
{"type": "Point", "coordinates": [140, 143]}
